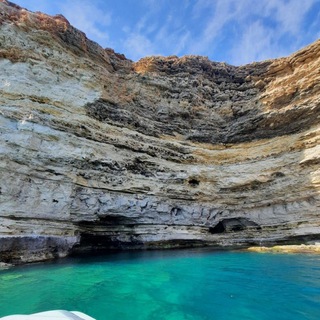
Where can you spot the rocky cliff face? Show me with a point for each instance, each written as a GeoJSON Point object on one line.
{"type": "Point", "coordinates": [99, 152]}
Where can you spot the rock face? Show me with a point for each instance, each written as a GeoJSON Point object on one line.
{"type": "Point", "coordinates": [99, 152]}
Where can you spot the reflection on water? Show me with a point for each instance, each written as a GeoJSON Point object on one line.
{"type": "Point", "coordinates": [182, 284]}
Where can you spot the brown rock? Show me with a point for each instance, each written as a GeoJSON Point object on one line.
{"type": "Point", "coordinates": [99, 152]}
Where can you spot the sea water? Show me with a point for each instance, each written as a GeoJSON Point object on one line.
{"type": "Point", "coordinates": [176, 285]}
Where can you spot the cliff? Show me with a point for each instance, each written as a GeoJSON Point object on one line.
{"type": "Point", "coordinates": [99, 152]}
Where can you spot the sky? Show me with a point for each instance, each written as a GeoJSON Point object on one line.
{"type": "Point", "coordinates": [232, 31]}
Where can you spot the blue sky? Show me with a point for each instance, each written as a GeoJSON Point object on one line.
{"type": "Point", "coordinates": [233, 31]}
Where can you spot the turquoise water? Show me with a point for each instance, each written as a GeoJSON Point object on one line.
{"type": "Point", "coordinates": [186, 284]}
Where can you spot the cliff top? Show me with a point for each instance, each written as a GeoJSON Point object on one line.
{"type": "Point", "coordinates": [201, 100]}
{"type": "Point", "coordinates": [60, 27]}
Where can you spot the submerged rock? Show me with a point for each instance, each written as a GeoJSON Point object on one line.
{"type": "Point", "coordinates": [99, 152]}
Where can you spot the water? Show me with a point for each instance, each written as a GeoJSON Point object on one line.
{"type": "Point", "coordinates": [176, 285]}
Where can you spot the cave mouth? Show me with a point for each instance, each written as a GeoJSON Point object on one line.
{"type": "Point", "coordinates": [233, 225]}
{"type": "Point", "coordinates": [193, 182]}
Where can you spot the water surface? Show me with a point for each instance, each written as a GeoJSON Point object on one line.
{"type": "Point", "coordinates": [186, 284]}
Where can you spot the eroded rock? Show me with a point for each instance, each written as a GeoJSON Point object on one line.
{"type": "Point", "coordinates": [98, 152]}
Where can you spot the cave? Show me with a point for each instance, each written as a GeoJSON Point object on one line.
{"type": "Point", "coordinates": [233, 225]}
{"type": "Point", "coordinates": [194, 182]}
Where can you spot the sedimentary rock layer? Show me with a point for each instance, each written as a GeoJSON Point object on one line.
{"type": "Point", "coordinates": [99, 152]}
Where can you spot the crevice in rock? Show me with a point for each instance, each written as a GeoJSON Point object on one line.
{"type": "Point", "coordinates": [193, 182]}
{"type": "Point", "coordinates": [233, 225]}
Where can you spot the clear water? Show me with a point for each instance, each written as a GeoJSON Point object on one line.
{"type": "Point", "coordinates": [188, 284]}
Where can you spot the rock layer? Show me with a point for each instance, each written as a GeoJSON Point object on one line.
{"type": "Point", "coordinates": [99, 152]}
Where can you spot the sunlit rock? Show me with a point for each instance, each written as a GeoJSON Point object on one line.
{"type": "Point", "coordinates": [98, 152]}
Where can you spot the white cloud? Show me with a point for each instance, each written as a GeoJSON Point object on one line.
{"type": "Point", "coordinates": [236, 31]}
{"type": "Point", "coordinates": [257, 29]}
{"type": "Point", "coordinates": [137, 46]}
{"type": "Point", "coordinates": [152, 35]}
{"type": "Point", "coordinates": [89, 18]}
{"type": "Point", "coordinates": [138, 40]}
{"type": "Point", "coordinates": [289, 14]}
{"type": "Point", "coordinates": [221, 13]}
{"type": "Point", "coordinates": [181, 43]}
{"type": "Point", "coordinates": [254, 45]}
{"type": "Point", "coordinates": [261, 41]}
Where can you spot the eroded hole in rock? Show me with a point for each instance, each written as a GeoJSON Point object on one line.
{"type": "Point", "coordinates": [233, 225]}
{"type": "Point", "coordinates": [278, 175]}
{"type": "Point", "coordinates": [176, 211]}
{"type": "Point", "coordinates": [218, 228]}
{"type": "Point", "coordinates": [194, 182]}
{"type": "Point", "coordinates": [91, 243]}
{"type": "Point", "coordinates": [104, 234]}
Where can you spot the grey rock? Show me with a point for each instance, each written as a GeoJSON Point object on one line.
{"type": "Point", "coordinates": [98, 152]}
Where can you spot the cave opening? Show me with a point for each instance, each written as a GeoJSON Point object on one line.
{"type": "Point", "coordinates": [194, 182]}
{"type": "Point", "coordinates": [233, 225]}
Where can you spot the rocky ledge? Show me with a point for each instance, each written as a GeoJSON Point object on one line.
{"type": "Point", "coordinates": [100, 153]}
{"type": "Point", "coordinates": [302, 248]}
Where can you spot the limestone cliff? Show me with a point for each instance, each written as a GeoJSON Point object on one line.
{"type": "Point", "coordinates": [99, 152]}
